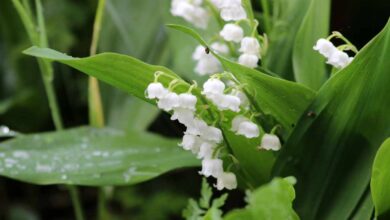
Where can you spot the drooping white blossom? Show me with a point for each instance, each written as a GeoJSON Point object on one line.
{"type": "Point", "coordinates": [325, 47]}
{"type": "Point", "coordinates": [270, 142]}
{"type": "Point", "coordinates": [248, 60]}
{"type": "Point", "coordinates": [339, 59]}
{"type": "Point", "coordinates": [188, 101]}
{"type": "Point", "coordinates": [232, 10]}
{"type": "Point", "coordinates": [232, 32]}
{"type": "Point", "coordinates": [156, 90]}
{"type": "Point", "coordinates": [213, 86]}
{"type": "Point", "coordinates": [248, 129]}
{"type": "Point", "coordinates": [212, 134]}
{"type": "Point", "coordinates": [207, 63]}
{"type": "Point", "coordinates": [228, 102]}
{"type": "Point", "coordinates": [243, 126]}
{"type": "Point", "coordinates": [168, 101]}
{"type": "Point", "coordinates": [191, 142]}
{"type": "Point", "coordinates": [196, 127]}
{"type": "Point", "coordinates": [191, 11]}
{"type": "Point", "coordinates": [335, 57]}
{"type": "Point", "coordinates": [206, 150]}
{"type": "Point", "coordinates": [212, 167]}
{"type": "Point", "coordinates": [250, 45]}
{"type": "Point", "coordinates": [220, 48]}
{"type": "Point", "coordinates": [226, 180]}
{"type": "Point", "coordinates": [243, 98]}
{"type": "Point", "coordinates": [183, 115]}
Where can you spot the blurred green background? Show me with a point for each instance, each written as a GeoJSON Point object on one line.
{"type": "Point", "coordinates": [136, 28]}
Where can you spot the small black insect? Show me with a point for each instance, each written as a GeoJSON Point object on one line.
{"type": "Point", "coordinates": [311, 114]}
{"type": "Point", "coordinates": [207, 50]}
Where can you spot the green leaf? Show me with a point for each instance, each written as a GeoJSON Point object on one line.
{"type": "Point", "coordinates": [333, 145]}
{"type": "Point", "coordinates": [287, 16]}
{"type": "Point", "coordinates": [380, 179]}
{"type": "Point", "coordinates": [309, 65]}
{"type": "Point", "coordinates": [214, 213]}
{"type": "Point", "coordinates": [90, 156]}
{"type": "Point", "coordinates": [271, 201]}
{"type": "Point", "coordinates": [206, 193]}
{"type": "Point", "coordinates": [121, 71]}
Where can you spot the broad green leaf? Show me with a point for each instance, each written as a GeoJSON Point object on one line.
{"type": "Point", "coordinates": [121, 71]}
{"type": "Point", "coordinates": [333, 145]}
{"type": "Point", "coordinates": [272, 201]}
{"type": "Point", "coordinates": [90, 156]}
{"type": "Point", "coordinates": [309, 65]}
{"type": "Point", "coordinates": [287, 16]}
{"type": "Point", "coordinates": [380, 180]}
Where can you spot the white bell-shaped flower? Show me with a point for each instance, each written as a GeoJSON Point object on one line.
{"type": "Point", "coordinates": [188, 101]}
{"type": "Point", "coordinates": [235, 13]}
{"type": "Point", "coordinates": [248, 129]}
{"type": "Point", "coordinates": [228, 102]}
{"type": "Point", "coordinates": [207, 63]}
{"type": "Point", "coordinates": [339, 59]}
{"type": "Point", "coordinates": [325, 47]}
{"type": "Point", "coordinates": [248, 60]}
{"type": "Point", "coordinates": [237, 121]}
{"type": "Point", "coordinates": [168, 101]}
{"type": "Point", "coordinates": [212, 134]}
{"type": "Point", "coordinates": [191, 12]}
{"type": "Point", "coordinates": [206, 150]}
{"type": "Point", "coordinates": [232, 32]}
{"type": "Point", "coordinates": [270, 142]}
{"type": "Point", "coordinates": [250, 45]}
{"type": "Point", "coordinates": [183, 115]}
{"type": "Point", "coordinates": [212, 167]}
{"type": "Point", "coordinates": [191, 142]}
{"type": "Point", "coordinates": [226, 180]}
{"type": "Point", "coordinates": [196, 127]}
{"type": "Point", "coordinates": [243, 98]}
{"type": "Point", "coordinates": [156, 90]}
{"type": "Point", "coordinates": [213, 86]}
{"type": "Point", "coordinates": [220, 48]}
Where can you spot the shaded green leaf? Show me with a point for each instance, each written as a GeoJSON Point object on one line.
{"type": "Point", "coordinates": [309, 65]}
{"type": "Point", "coordinates": [89, 156]}
{"type": "Point", "coordinates": [287, 16]}
{"type": "Point", "coordinates": [333, 146]}
{"type": "Point", "coordinates": [272, 201]}
{"type": "Point", "coordinates": [380, 179]}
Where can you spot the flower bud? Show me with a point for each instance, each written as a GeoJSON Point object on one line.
{"type": "Point", "coordinates": [156, 90]}
{"type": "Point", "coordinates": [248, 60]}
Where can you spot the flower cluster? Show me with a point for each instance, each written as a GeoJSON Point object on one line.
{"type": "Point", "coordinates": [236, 101]}
{"type": "Point", "coordinates": [233, 14]}
{"type": "Point", "coordinates": [334, 56]}
{"type": "Point", "coordinates": [204, 140]}
{"type": "Point", "coordinates": [192, 11]}
{"type": "Point", "coordinates": [199, 137]}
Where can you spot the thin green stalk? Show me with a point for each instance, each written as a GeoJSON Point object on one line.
{"type": "Point", "coordinates": [267, 17]}
{"type": "Point", "coordinates": [96, 115]}
{"type": "Point", "coordinates": [74, 194]}
{"type": "Point", "coordinates": [40, 38]}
